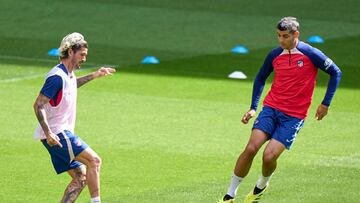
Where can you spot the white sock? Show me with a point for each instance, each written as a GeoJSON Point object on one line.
{"type": "Point", "coordinates": [95, 200]}
{"type": "Point", "coordinates": [263, 182]}
{"type": "Point", "coordinates": [234, 183]}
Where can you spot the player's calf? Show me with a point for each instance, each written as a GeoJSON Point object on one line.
{"type": "Point", "coordinates": [74, 189]}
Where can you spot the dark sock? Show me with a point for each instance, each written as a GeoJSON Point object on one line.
{"type": "Point", "coordinates": [257, 190]}
{"type": "Point", "coordinates": [227, 197]}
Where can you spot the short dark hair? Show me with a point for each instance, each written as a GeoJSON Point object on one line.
{"type": "Point", "coordinates": [75, 48]}
{"type": "Point", "coordinates": [288, 23]}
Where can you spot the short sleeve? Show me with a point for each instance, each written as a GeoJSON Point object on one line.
{"type": "Point", "coordinates": [52, 86]}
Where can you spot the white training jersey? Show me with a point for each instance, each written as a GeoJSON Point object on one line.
{"type": "Point", "coordinates": [62, 116]}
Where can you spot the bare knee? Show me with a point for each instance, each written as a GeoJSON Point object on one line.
{"type": "Point", "coordinates": [269, 157]}
{"type": "Point", "coordinates": [251, 150]}
{"type": "Point", "coordinates": [90, 159]}
{"type": "Point", "coordinates": [95, 162]}
{"type": "Point", "coordinates": [79, 179]}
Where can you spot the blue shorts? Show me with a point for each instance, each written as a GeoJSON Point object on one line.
{"type": "Point", "coordinates": [63, 157]}
{"type": "Point", "coordinates": [278, 126]}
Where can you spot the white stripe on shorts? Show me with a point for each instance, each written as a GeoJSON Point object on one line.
{"type": "Point", "coordinates": [70, 149]}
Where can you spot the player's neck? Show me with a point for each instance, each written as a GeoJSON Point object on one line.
{"type": "Point", "coordinates": [69, 67]}
{"type": "Point", "coordinates": [296, 41]}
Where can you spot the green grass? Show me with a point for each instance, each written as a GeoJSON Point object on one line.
{"type": "Point", "coordinates": [171, 132]}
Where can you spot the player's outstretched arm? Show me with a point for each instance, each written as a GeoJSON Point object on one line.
{"type": "Point", "coordinates": [248, 115]}
{"type": "Point", "coordinates": [103, 71]}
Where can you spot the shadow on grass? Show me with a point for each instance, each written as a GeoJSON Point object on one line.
{"type": "Point", "coordinates": [218, 66]}
{"type": "Point", "coordinates": [342, 51]}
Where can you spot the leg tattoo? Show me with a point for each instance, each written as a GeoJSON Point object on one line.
{"type": "Point", "coordinates": [75, 187]}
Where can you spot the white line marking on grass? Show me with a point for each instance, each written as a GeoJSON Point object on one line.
{"type": "Point", "coordinates": [29, 77]}
{"type": "Point", "coordinates": [15, 79]}
{"type": "Point", "coordinates": [351, 161]}
{"type": "Point", "coordinates": [21, 58]}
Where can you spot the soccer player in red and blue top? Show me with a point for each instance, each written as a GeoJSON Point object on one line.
{"type": "Point", "coordinates": [295, 65]}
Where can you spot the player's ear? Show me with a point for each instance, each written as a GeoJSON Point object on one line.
{"type": "Point", "coordinates": [297, 34]}
{"type": "Point", "coordinates": [70, 52]}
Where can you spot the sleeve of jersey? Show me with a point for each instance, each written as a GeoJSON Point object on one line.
{"type": "Point", "coordinates": [327, 65]}
{"type": "Point", "coordinates": [52, 86]}
{"type": "Point", "coordinates": [260, 80]}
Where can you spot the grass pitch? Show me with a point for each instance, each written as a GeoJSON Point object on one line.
{"type": "Point", "coordinates": [171, 132]}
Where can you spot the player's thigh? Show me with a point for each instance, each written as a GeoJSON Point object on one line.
{"type": "Point", "coordinates": [273, 150]}
{"type": "Point", "coordinates": [88, 157]}
{"type": "Point", "coordinates": [78, 172]}
{"type": "Point", "coordinates": [257, 139]}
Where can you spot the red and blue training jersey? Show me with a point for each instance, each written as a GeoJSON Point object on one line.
{"type": "Point", "coordinates": [294, 80]}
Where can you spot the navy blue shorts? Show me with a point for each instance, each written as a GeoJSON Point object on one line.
{"type": "Point", "coordinates": [278, 126]}
{"type": "Point", "coordinates": [63, 157]}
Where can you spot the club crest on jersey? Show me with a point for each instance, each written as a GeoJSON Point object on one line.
{"type": "Point", "coordinates": [300, 63]}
